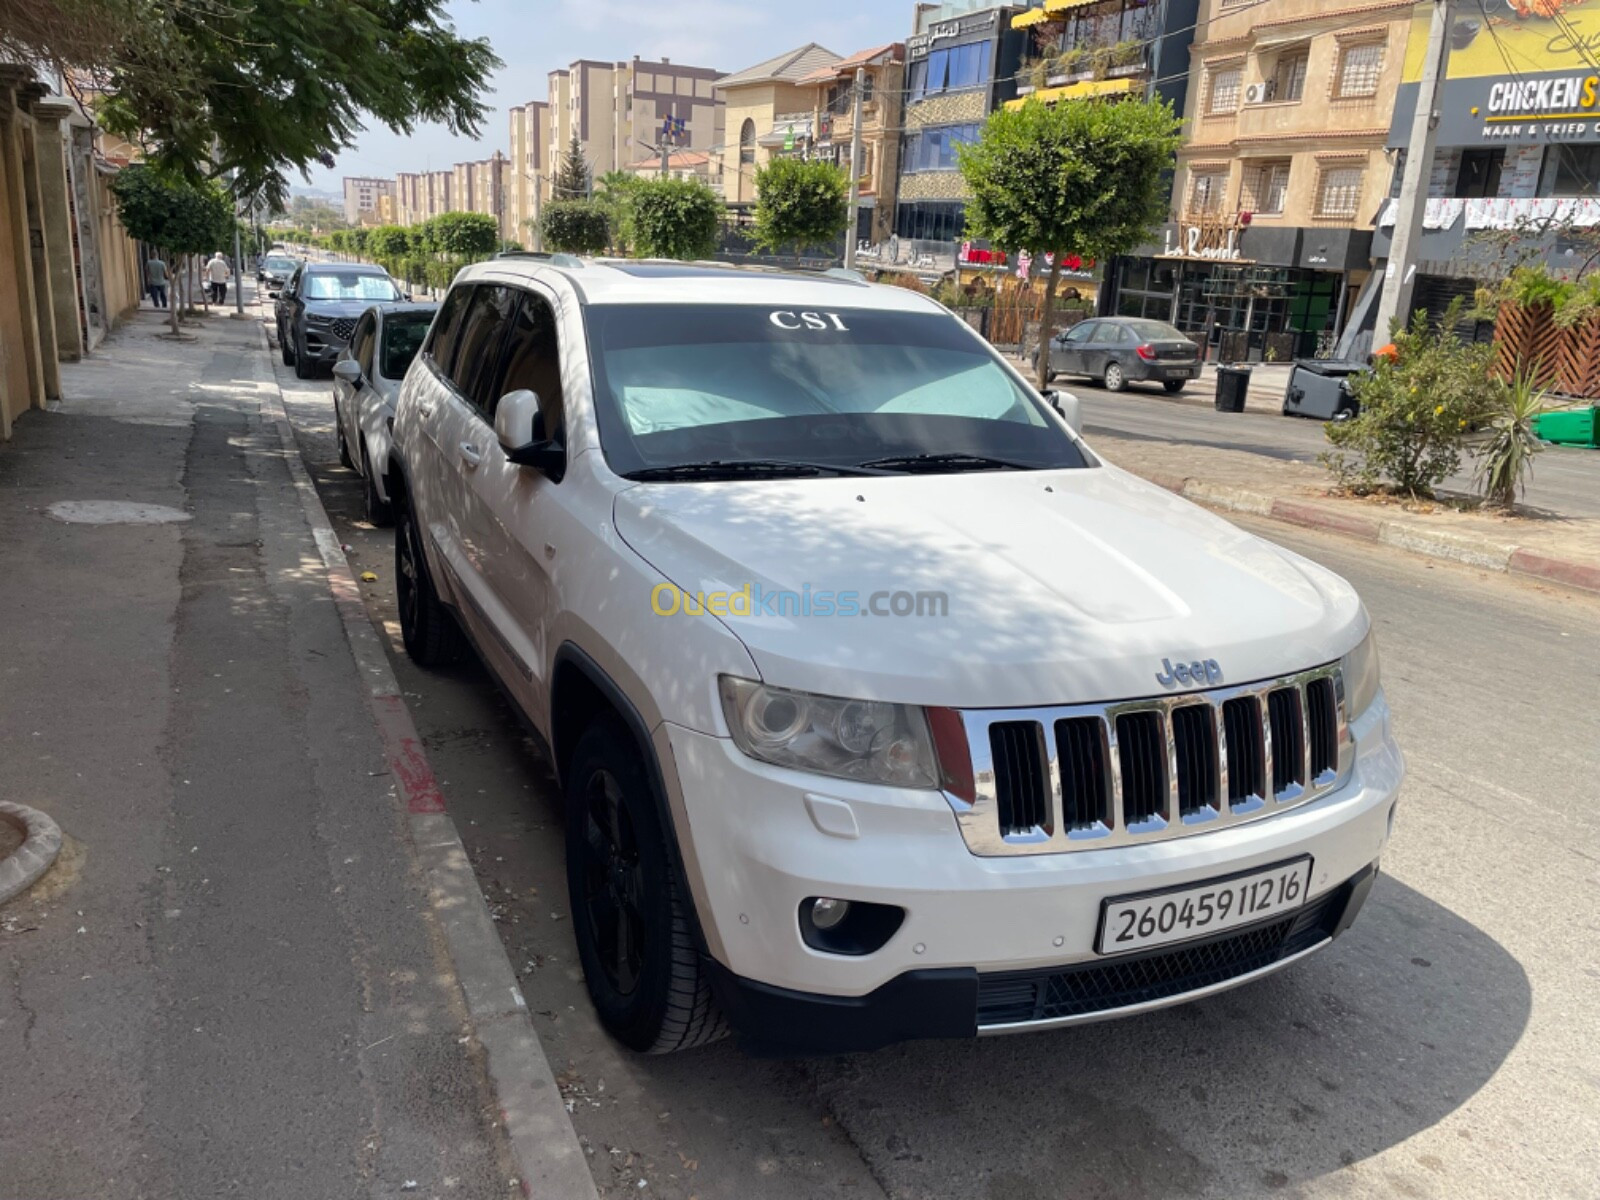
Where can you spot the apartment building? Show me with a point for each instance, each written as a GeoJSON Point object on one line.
{"type": "Point", "coordinates": [481, 187]}
{"type": "Point", "coordinates": [768, 111]}
{"type": "Point", "coordinates": [1106, 48]}
{"type": "Point", "coordinates": [1288, 110]}
{"type": "Point", "coordinates": [361, 197]}
{"type": "Point", "coordinates": [421, 195]}
{"type": "Point", "coordinates": [833, 115]}
{"type": "Point", "coordinates": [529, 129]}
{"type": "Point", "coordinates": [617, 108]}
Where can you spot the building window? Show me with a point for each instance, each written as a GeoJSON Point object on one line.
{"type": "Point", "coordinates": [1222, 90]}
{"type": "Point", "coordinates": [747, 141]}
{"type": "Point", "coordinates": [1266, 187]}
{"type": "Point", "coordinates": [1570, 170]}
{"type": "Point", "coordinates": [1359, 69]}
{"type": "Point", "coordinates": [1289, 81]}
{"type": "Point", "coordinates": [1479, 176]}
{"type": "Point", "coordinates": [1339, 191]}
{"type": "Point", "coordinates": [935, 149]}
{"type": "Point", "coordinates": [1206, 189]}
{"type": "Point", "coordinates": [955, 68]}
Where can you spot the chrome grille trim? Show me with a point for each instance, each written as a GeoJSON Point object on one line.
{"type": "Point", "coordinates": [980, 823]}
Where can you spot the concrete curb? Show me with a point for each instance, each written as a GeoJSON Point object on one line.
{"type": "Point", "coordinates": [550, 1160]}
{"type": "Point", "coordinates": [41, 842]}
{"type": "Point", "coordinates": [1470, 549]}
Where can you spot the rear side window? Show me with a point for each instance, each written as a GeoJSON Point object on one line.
{"type": "Point", "coordinates": [533, 361]}
{"type": "Point", "coordinates": [361, 343]}
{"type": "Point", "coordinates": [441, 346]}
{"type": "Point", "coordinates": [483, 333]}
{"type": "Point", "coordinates": [402, 335]}
{"type": "Point", "coordinates": [1107, 335]}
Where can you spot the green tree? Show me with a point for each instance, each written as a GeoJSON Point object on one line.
{"type": "Point", "coordinates": [464, 235]}
{"type": "Point", "coordinates": [575, 226]}
{"type": "Point", "coordinates": [390, 245]}
{"type": "Point", "coordinates": [615, 192]}
{"type": "Point", "coordinates": [1085, 177]}
{"type": "Point", "coordinates": [277, 85]}
{"type": "Point", "coordinates": [179, 217]}
{"type": "Point", "coordinates": [675, 218]}
{"type": "Point", "coordinates": [572, 177]}
{"type": "Point", "coordinates": [800, 203]}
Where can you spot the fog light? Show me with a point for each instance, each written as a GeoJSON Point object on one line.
{"type": "Point", "coordinates": [827, 912]}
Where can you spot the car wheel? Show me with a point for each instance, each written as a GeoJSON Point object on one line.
{"type": "Point", "coordinates": [639, 959]}
{"type": "Point", "coordinates": [1174, 385]}
{"type": "Point", "coordinates": [338, 434]}
{"type": "Point", "coordinates": [303, 367]}
{"type": "Point", "coordinates": [1115, 380]}
{"type": "Point", "coordinates": [379, 511]}
{"type": "Point", "coordinates": [283, 348]}
{"type": "Point", "coordinates": [430, 633]}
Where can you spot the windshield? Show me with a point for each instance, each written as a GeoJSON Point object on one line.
{"type": "Point", "coordinates": [349, 285]}
{"type": "Point", "coordinates": [682, 384]}
{"type": "Point", "coordinates": [402, 337]}
{"type": "Point", "coordinates": [1156, 331]}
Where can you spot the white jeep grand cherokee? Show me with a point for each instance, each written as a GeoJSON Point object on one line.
{"type": "Point", "coordinates": [882, 707]}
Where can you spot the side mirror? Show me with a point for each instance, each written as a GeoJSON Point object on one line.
{"type": "Point", "coordinates": [349, 370]}
{"type": "Point", "coordinates": [519, 428]}
{"type": "Point", "coordinates": [1067, 405]}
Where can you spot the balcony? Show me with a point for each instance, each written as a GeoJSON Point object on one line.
{"type": "Point", "coordinates": [1085, 64]}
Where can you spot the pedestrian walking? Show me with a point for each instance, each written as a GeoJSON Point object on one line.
{"type": "Point", "coordinates": [217, 275]}
{"type": "Point", "coordinates": [155, 281]}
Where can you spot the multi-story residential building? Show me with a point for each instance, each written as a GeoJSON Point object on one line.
{"type": "Point", "coordinates": [423, 195]}
{"type": "Point", "coordinates": [768, 111]}
{"type": "Point", "coordinates": [1282, 172]}
{"type": "Point", "coordinates": [529, 128]}
{"type": "Point", "coordinates": [481, 187]}
{"type": "Point", "coordinates": [617, 109]}
{"type": "Point", "coordinates": [1109, 48]}
{"type": "Point", "coordinates": [962, 63]}
{"type": "Point", "coordinates": [833, 114]}
{"type": "Point", "coordinates": [361, 199]}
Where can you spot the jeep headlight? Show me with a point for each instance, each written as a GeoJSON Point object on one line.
{"type": "Point", "coordinates": [1360, 669]}
{"type": "Point", "coordinates": [866, 740]}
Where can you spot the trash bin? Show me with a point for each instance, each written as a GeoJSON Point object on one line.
{"type": "Point", "coordinates": [1321, 388]}
{"type": "Point", "coordinates": [1571, 427]}
{"type": "Point", "coordinates": [1232, 384]}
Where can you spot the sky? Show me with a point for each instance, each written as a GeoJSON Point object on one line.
{"type": "Point", "coordinates": [535, 37]}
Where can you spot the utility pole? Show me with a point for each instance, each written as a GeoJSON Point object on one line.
{"type": "Point", "coordinates": [855, 172]}
{"type": "Point", "coordinates": [238, 259]}
{"type": "Point", "coordinates": [1399, 277]}
{"type": "Point", "coordinates": [538, 231]}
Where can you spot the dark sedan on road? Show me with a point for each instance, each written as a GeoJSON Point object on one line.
{"type": "Point", "coordinates": [1120, 350]}
{"type": "Point", "coordinates": [275, 270]}
{"type": "Point", "coordinates": [318, 309]}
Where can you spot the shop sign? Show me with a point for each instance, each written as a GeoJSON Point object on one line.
{"type": "Point", "coordinates": [974, 256]}
{"type": "Point", "coordinates": [1212, 243]}
{"type": "Point", "coordinates": [965, 27]}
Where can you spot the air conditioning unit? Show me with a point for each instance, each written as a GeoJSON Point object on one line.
{"type": "Point", "coordinates": [1255, 93]}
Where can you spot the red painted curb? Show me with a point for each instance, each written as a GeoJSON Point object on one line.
{"type": "Point", "coordinates": [1555, 570]}
{"type": "Point", "coordinates": [1314, 517]}
{"type": "Point", "coordinates": [407, 760]}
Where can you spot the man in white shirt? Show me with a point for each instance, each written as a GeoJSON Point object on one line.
{"type": "Point", "coordinates": [217, 274]}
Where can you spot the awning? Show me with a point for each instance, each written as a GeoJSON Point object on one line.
{"type": "Point", "coordinates": [1282, 41]}
{"type": "Point", "coordinates": [801, 131]}
{"type": "Point", "coordinates": [1060, 6]}
{"type": "Point", "coordinates": [1078, 91]}
{"type": "Point", "coordinates": [1034, 16]}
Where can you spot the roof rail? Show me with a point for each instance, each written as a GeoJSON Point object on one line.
{"type": "Point", "coordinates": [849, 273]}
{"type": "Point", "coordinates": [555, 259]}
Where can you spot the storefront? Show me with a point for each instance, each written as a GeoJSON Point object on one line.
{"type": "Point", "coordinates": [1246, 293]}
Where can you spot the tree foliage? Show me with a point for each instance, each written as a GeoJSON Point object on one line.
{"type": "Point", "coordinates": [177, 216]}
{"type": "Point", "coordinates": [800, 203]}
{"type": "Point", "coordinates": [270, 86]}
{"type": "Point", "coordinates": [1085, 177]}
{"type": "Point", "coordinates": [575, 226]}
{"type": "Point", "coordinates": [572, 177]}
{"type": "Point", "coordinates": [675, 218]}
{"type": "Point", "coordinates": [615, 192]}
{"type": "Point", "coordinates": [462, 234]}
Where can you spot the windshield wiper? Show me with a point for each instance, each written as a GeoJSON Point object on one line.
{"type": "Point", "coordinates": [771, 468]}
{"type": "Point", "coordinates": [951, 461]}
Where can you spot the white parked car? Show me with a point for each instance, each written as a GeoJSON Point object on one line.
{"type": "Point", "coordinates": [883, 708]}
{"type": "Point", "coordinates": [366, 383]}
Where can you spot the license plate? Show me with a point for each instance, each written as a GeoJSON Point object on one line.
{"type": "Point", "coordinates": [1199, 909]}
{"type": "Point", "coordinates": [1179, 373]}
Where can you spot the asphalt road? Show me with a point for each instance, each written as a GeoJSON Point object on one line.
{"type": "Point", "coordinates": [1408, 1059]}
{"type": "Point", "coordinates": [1566, 480]}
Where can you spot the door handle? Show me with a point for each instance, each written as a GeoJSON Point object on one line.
{"type": "Point", "coordinates": [470, 454]}
{"type": "Point", "coordinates": [425, 409]}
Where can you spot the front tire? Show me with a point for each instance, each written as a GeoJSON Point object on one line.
{"type": "Point", "coordinates": [1115, 380]}
{"type": "Point", "coordinates": [283, 349]}
{"type": "Point", "coordinates": [430, 633]}
{"type": "Point", "coordinates": [338, 434]}
{"type": "Point", "coordinates": [379, 511]}
{"type": "Point", "coordinates": [639, 958]}
{"type": "Point", "coordinates": [302, 368]}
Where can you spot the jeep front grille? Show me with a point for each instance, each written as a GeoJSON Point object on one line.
{"type": "Point", "coordinates": [1086, 776]}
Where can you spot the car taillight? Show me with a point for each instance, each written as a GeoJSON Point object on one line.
{"type": "Point", "coordinates": [950, 748]}
{"type": "Point", "coordinates": [1146, 352]}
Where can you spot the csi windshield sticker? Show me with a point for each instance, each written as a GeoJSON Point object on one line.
{"type": "Point", "coordinates": [787, 319]}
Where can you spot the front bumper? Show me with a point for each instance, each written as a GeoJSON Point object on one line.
{"type": "Point", "coordinates": [323, 346]}
{"type": "Point", "coordinates": [766, 839]}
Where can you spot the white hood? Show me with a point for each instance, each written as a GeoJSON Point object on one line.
{"type": "Point", "coordinates": [1063, 586]}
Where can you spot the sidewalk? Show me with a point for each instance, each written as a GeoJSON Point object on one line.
{"type": "Point", "coordinates": [1545, 546]}
{"type": "Point", "coordinates": [231, 982]}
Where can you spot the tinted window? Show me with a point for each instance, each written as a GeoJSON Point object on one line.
{"type": "Point", "coordinates": [1106, 335]}
{"type": "Point", "coordinates": [1080, 333]}
{"type": "Point", "coordinates": [1156, 331]}
{"type": "Point", "coordinates": [533, 361]}
{"type": "Point", "coordinates": [482, 334]}
{"type": "Point", "coordinates": [349, 285]}
{"type": "Point", "coordinates": [361, 343]}
{"type": "Point", "coordinates": [447, 328]}
{"type": "Point", "coordinates": [402, 335]}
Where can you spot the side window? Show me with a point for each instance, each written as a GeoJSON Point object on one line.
{"type": "Point", "coordinates": [1079, 334]}
{"type": "Point", "coordinates": [483, 333]}
{"type": "Point", "coordinates": [293, 284]}
{"type": "Point", "coordinates": [533, 361]}
{"type": "Point", "coordinates": [1107, 335]}
{"type": "Point", "coordinates": [361, 343]}
{"type": "Point", "coordinates": [441, 346]}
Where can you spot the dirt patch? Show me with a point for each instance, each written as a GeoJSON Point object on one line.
{"type": "Point", "coordinates": [10, 838]}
